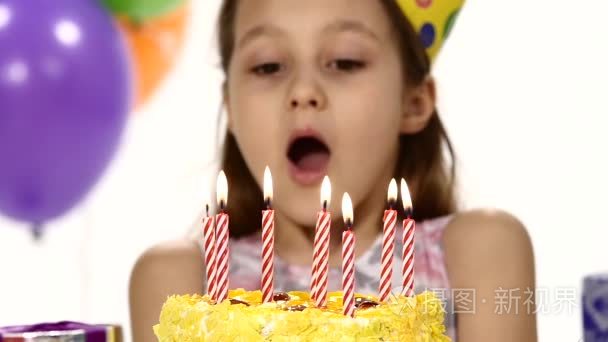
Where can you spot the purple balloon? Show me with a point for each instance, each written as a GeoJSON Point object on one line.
{"type": "Point", "coordinates": [65, 92]}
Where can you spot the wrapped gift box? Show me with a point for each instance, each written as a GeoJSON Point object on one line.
{"type": "Point", "coordinates": [61, 332]}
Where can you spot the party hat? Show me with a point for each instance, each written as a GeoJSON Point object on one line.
{"type": "Point", "coordinates": [433, 20]}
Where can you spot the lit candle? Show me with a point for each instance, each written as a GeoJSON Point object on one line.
{"type": "Point", "coordinates": [409, 228]}
{"type": "Point", "coordinates": [321, 248]}
{"type": "Point", "coordinates": [388, 243]}
{"type": "Point", "coordinates": [209, 244]}
{"type": "Point", "coordinates": [222, 236]}
{"type": "Point", "coordinates": [348, 258]}
{"type": "Point", "coordinates": [267, 241]}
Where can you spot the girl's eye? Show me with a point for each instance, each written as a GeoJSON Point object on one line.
{"type": "Point", "coordinates": [266, 69]}
{"type": "Point", "coordinates": [346, 64]}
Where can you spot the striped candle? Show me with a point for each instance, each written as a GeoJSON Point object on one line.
{"type": "Point", "coordinates": [267, 241]}
{"type": "Point", "coordinates": [388, 244]}
{"type": "Point", "coordinates": [209, 244]}
{"type": "Point", "coordinates": [313, 273]}
{"type": "Point", "coordinates": [322, 264]}
{"type": "Point", "coordinates": [321, 248]}
{"type": "Point", "coordinates": [348, 258]}
{"type": "Point", "coordinates": [222, 236]}
{"type": "Point", "coordinates": [409, 228]}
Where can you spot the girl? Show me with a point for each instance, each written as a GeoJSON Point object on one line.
{"type": "Point", "coordinates": [343, 88]}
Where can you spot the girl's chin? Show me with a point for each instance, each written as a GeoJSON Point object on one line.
{"type": "Point", "coordinates": [298, 207]}
{"type": "Point", "coordinates": [301, 219]}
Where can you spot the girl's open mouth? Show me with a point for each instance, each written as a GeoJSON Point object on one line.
{"type": "Point", "coordinates": [308, 159]}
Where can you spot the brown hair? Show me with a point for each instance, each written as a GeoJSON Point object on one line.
{"type": "Point", "coordinates": [421, 159]}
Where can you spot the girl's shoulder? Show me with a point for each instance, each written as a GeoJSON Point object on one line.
{"type": "Point", "coordinates": [163, 270]}
{"type": "Point", "coordinates": [483, 225]}
{"type": "Point", "coordinates": [178, 262]}
{"type": "Point", "coordinates": [488, 252]}
{"type": "Point", "coordinates": [168, 252]}
{"type": "Point", "coordinates": [485, 234]}
{"type": "Point", "coordinates": [169, 267]}
{"type": "Point", "coordinates": [475, 223]}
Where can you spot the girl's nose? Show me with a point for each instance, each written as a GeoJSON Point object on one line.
{"type": "Point", "coordinates": [306, 94]}
{"type": "Point", "coordinates": [311, 103]}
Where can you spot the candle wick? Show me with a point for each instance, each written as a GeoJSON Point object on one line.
{"type": "Point", "coordinates": [207, 209]}
{"type": "Point", "coordinates": [267, 202]}
{"type": "Point", "coordinates": [349, 224]}
{"type": "Point", "coordinates": [408, 213]}
{"type": "Point", "coordinates": [391, 204]}
{"type": "Point", "coordinates": [324, 206]}
{"type": "Point", "coordinates": [222, 206]}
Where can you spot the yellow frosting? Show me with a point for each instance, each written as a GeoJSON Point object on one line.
{"type": "Point", "coordinates": [193, 318]}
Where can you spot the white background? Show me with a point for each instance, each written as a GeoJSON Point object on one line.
{"type": "Point", "coordinates": [522, 87]}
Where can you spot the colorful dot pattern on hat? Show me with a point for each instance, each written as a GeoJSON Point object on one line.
{"type": "Point", "coordinates": [433, 20]}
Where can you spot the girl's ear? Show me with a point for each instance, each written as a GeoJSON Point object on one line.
{"type": "Point", "coordinates": [418, 107]}
{"type": "Point", "coordinates": [226, 103]}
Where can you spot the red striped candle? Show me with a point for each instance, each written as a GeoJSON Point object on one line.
{"type": "Point", "coordinates": [321, 248]}
{"type": "Point", "coordinates": [348, 258]}
{"type": "Point", "coordinates": [209, 244]}
{"type": "Point", "coordinates": [409, 228]}
{"type": "Point", "coordinates": [222, 236]}
{"type": "Point", "coordinates": [388, 244]}
{"type": "Point", "coordinates": [267, 241]}
{"type": "Point", "coordinates": [313, 273]}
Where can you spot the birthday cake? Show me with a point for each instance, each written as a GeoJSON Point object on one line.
{"type": "Point", "coordinates": [293, 316]}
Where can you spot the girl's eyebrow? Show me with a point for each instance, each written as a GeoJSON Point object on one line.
{"type": "Point", "coordinates": [338, 26]}
{"type": "Point", "coordinates": [349, 25]}
{"type": "Point", "coordinates": [259, 30]}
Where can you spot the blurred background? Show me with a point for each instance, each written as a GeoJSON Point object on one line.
{"type": "Point", "coordinates": [522, 89]}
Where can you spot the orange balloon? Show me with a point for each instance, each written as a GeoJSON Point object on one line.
{"type": "Point", "coordinates": [154, 46]}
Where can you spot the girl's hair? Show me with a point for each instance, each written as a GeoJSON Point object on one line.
{"type": "Point", "coordinates": [422, 161]}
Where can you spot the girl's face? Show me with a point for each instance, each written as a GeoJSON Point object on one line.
{"type": "Point", "coordinates": [315, 87]}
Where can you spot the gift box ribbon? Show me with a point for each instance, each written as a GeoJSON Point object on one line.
{"type": "Point", "coordinates": [61, 332]}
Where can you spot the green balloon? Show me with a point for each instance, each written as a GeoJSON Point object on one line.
{"type": "Point", "coordinates": [142, 9]}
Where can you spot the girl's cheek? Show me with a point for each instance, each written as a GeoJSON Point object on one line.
{"type": "Point", "coordinates": [255, 86]}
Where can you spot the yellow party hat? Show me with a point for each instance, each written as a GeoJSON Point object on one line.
{"type": "Point", "coordinates": [433, 20]}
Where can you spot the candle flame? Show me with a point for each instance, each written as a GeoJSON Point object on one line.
{"type": "Point", "coordinates": [268, 192]}
{"type": "Point", "coordinates": [347, 209]}
{"type": "Point", "coordinates": [405, 196]}
{"type": "Point", "coordinates": [222, 190]}
{"type": "Point", "coordinates": [325, 192]}
{"type": "Point", "coordinates": [392, 191]}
